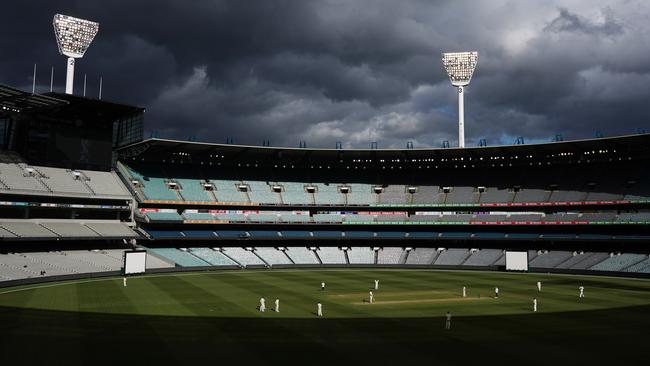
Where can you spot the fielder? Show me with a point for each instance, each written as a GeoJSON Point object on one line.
{"type": "Point", "coordinates": [262, 305]}
{"type": "Point", "coordinates": [582, 292]}
{"type": "Point", "coordinates": [319, 309]}
{"type": "Point", "coordinates": [448, 321]}
{"type": "Point", "coordinates": [534, 305]}
{"type": "Point", "coordinates": [322, 286]}
{"type": "Point", "coordinates": [277, 305]}
{"type": "Point", "coordinates": [539, 286]}
{"type": "Point", "coordinates": [124, 281]}
{"type": "Point", "coordinates": [372, 298]}
{"type": "Point", "coordinates": [376, 284]}
{"type": "Point", "coordinates": [496, 292]}
{"type": "Point", "coordinates": [464, 291]}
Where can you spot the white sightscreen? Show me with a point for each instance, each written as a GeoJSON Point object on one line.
{"type": "Point", "coordinates": [135, 262]}
{"type": "Point", "coordinates": [516, 261]}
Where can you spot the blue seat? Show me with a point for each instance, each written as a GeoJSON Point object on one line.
{"type": "Point", "coordinates": [199, 233]}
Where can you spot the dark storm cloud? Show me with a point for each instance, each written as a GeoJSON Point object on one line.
{"type": "Point", "coordinates": [355, 72]}
{"type": "Point", "coordinates": [569, 22]}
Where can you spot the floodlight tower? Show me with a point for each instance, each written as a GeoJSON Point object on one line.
{"type": "Point", "coordinates": [73, 35]}
{"type": "Point", "coordinates": [460, 67]}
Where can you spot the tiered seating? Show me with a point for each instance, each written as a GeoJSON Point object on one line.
{"type": "Point", "coordinates": [154, 262]}
{"type": "Point", "coordinates": [70, 229]}
{"type": "Point", "coordinates": [26, 229]}
{"type": "Point", "coordinates": [328, 218]}
{"type": "Point", "coordinates": [358, 218]}
{"type": "Point", "coordinates": [390, 255]}
{"type": "Point", "coordinates": [66, 263]}
{"type": "Point", "coordinates": [198, 216]}
{"type": "Point", "coordinates": [619, 262]}
{"type": "Point", "coordinates": [96, 259]}
{"type": "Point", "coordinates": [263, 217]}
{"type": "Point", "coordinates": [641, 267]}
{"type": "Point", "coordinates": [421, 256]}
{"type": "Point", "coordinates": [550, 259]}
{"type": "Point", "coordinates": [227, 191]}
{"type": "Point", "coordinates": [455, 218]}
{"type": "Point", "coordinates": [15, 177]}
{"type": "Point", "coordinates": [273, 256]}
{"type": "Point", "coordinates": [295, 194]}
{"type": "Point", "coordinates": [242, 256]}
{"type": "Point", "coordinates": [232, 217]}
{"type": "Point", "coordinates": [531, 195]}
{"type": "Point", "coordinates": [427, 195]}
{"type": "Point", "coordinates": [214, 257]}
{"type": "Point", "coordinates": [164, 216]}
{"type": "Point", "coordinates": [483, 257]}
{"type": "Point", "coordinates": [496, 195]}
{"type": "Point", "coordinates": [112, 229]}
{"type": "Point", "coordinates": [597, 216]}
{"type": "Point", "coordinates": [461, 195]}
{"type": "Point", "coordinates": [395, 194]}
{"type": "Point", "coordinates": [567, 196]}
{"type": "Point", "coordinates": [601, 196]}
{"type": "Point", "coordinates": [361, 194]}
{"type": "Point", "coordinates": [451, 257]}
{"type": "Point", "coordinates": [561, 216]}
{"type": "Point", "coordinates": [105, 183]}
{"type": "Point", "coordinates": [261, 192]}
{"type": "Point", "coordinates": [358, 255]}
{"type": "Point", "coordinates": [590, 261]}
{"type": "Point", "coordinates": [154, 188]}
{"type": "Point", "coordinates": [63, 181]}
{"type": "Point", "coordinates": [391, 218]}
{"type": "Point", "coordinates": [575, 258]}
{"type": "Point", "coordinates": [31, 265]}
{"type": "Point", "coordinates": [330, 255]}
{"type": "Point", "coordinates": [328, 194]}
{"type": "Point", "coordinates": [182, 258]}
{"type": "Point", "coordinates": [17, 266]}
{"type": "Point", "coordinates": [193, 190]}
{"type": "Point", "coordinates": [302, 255]}
{"type": "Point", "coordinates": [633, 217]}
{"type": "Point", "coordinates": [288, 217]}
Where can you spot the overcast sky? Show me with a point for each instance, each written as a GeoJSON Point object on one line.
{"type": "Point", "coordinates": [351, 71]}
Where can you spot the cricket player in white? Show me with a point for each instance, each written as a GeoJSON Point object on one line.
{"type": "Point", "coordinates": [262, 304]}
{"type": "Point", "coordinates": [372, 298]}
{"type": "Point", "coordinates": [535, 305]}
{"type": "Point", "coordinates": [464, 291]}
{"type": "Point", "coordinates": [124, 281]}
{"type": "Point", "coordinates": [496, 292]}
{"type": "Point", "coordinates": [448, 321]}
{"type": "Point", "coordinates": [277, 305]}
{"type": "Point", "coordinates": [582, 292]}
{"type": "Point", "coordinates": [322, 286]}
{"type": "Point", "coordinates": [539, 286]}
{"type": "Point", "coordinates": [376, 284]}
{"type": "Point", "coordinates": [320, 309]}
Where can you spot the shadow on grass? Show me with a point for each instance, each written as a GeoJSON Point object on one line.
{"type": "Point", "coordinates": [616, 336]}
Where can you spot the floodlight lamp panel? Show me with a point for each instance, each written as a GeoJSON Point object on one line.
{"type": "Point", "coordinates": [74, 35]}
{"type": "Point", "coordinates": [460, 66]}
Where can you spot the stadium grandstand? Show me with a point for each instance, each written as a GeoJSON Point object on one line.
{"type": "Point", "coordinates": [208, 206]}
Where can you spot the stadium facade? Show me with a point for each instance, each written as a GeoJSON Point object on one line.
{"type": "Point", "coordinates": [80, 186]}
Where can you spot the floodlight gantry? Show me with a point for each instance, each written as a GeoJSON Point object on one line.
{"type": "Point", "coordinates": [460, 67]}
{"type": "Point", "coordinates": [73, 36]}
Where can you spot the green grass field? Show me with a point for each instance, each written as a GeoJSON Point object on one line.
{"type": "Point", "coordinates": [213, 317]}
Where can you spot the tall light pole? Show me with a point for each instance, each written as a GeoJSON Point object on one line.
{"type": "Point", "coordinates": [460, 67]}
{"type": "Point", "coordinates": [73, 35]}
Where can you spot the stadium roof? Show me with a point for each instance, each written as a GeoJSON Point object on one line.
{"type": "Point", "coordinates": [163, 150]}
{"type": "Point", "coordinates": [13, 100]}
{"type": "Point", "coordinates": [94, 108]}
